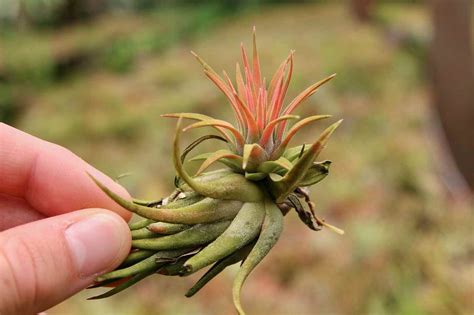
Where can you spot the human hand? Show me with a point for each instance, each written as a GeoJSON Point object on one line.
{"type": "Point", "coordinates": [54, 238]}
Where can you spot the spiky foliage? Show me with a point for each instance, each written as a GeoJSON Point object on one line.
{"type": "Point", "coordinates": [234, 214]}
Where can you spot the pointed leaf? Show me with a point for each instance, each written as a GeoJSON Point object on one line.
{"type": "Point", "coordinates": [274, 109]}
{"type": "Point", "coordinates": [295, 152]}
{"type": "Point", "coordinates": [253, 156]}
{"type": "Point", "coordinates": [315, 173]}
{"type": "Point", "coordinates": [276, 77]}
{"type": "Point", "coordinates": [275, 177]}
{"type": "Point", "coordinates": [199, 117]}
{"type": "Point", "coordinates": [248, 119]}
{"type": "Point", "coordinates": [230, 187]}
{"type": "Point", "coordinates": [252, 132]}
{"type": "Point", "coordinates": [301, 98]}
{"type": "Point", "coordinates": [267, 132]}
{"type": "Point", "coordinates": [217, 80]}
{"type": "Point", "coordinates": [145, 265]}
{"type": "Point", "coordinates": [218, 267]}
{"type": "Point", "coordinates": [281, 189]}
{"type": "Point", "coordinates": [216, 156]}
{"type": "Point", "coordinates": [300, 124]}
{"type": "Point", "coordinates": [240, 81]}
{"type": "Point", "coordinates": [236, 165]}
{"type": "Point", "coordinates": [220, 123]}
{"type": "Point", "coordinates": [256, 62]}
{"type": "Point", "coordinates": [305, 94]}
{"type": "Point", "coordinates": [271, 231]}
{"type": "Point", "coordinates": [255, 177]}
{"type": "Point", "coordinates": [271, 166]}
{"type": "Point", "coordinates": [202, 62]}
{"type": "Point", "coordinates": [282, 94]}
{"type": "Point", "coordinates": [198, 141]}
{"type": "Point", "coordinates": [228, 93]}
{"type": "Point", "coordinates": [133, 280]}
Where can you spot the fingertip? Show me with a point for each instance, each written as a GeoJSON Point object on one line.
{"type": "Point", "coordinates": [51, 178]}
{"type": "Point", "coordinates": [99, 242]}
{"type": "Point", "coordinates": [59, 184]}
{"type": "Point", "coordinates": [67, 254]}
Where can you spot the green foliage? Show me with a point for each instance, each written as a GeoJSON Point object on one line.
{"type": "Point", "coordinates": [9, 110]}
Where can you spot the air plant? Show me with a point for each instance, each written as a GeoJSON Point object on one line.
{"type": "Point", "coordinates": [233, 214]}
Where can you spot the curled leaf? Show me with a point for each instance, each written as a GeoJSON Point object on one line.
{"type": "Point", "coordinates": [217, 156]}
{"type": "Point", "coordinates": [233, 258]}
{"type": "Point", "coordinates": [230, 187]}
{"type": "Point", "coordinates": [244, 228]}
{"type": "Point", "coordinates": [271, 230]}
{"type": "Point", "coordinates": [316, 173]}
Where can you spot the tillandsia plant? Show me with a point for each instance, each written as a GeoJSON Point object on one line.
{"type": "Point", "coordinates": [233, 214]}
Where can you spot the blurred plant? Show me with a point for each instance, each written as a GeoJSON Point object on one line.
{"type": "Point", "coordinates": [50, 13]}
{"type": "Point", "coordinates": [9, 109]}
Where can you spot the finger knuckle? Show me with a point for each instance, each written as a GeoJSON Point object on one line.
{"type": "Point", "coordinates": [18, 281]}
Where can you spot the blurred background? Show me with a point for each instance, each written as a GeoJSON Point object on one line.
{"type": "Point", "coordinates": [94, 76]}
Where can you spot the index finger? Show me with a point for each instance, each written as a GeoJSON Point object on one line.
{"type": "Point", "coordinates": [49, 177]}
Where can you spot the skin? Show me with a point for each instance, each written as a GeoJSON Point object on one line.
{"type": "Point", "coordinates": [50, 211]}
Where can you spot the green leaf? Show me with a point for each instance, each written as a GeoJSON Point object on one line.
{"type": "Point", "coordinates": [274, 166]}
{"type": "Point", "coordinates": [253, 156]}
{"type": "Point", "coordinates": [136, 278]}
{"type": "Point", "coordinates": [316, 173]}
{"type": "Point", "coordinates": [200, 117]}
{"type": "Point", "coordinates": [282, 188]}
{"type": "Point", "coordinates": [293, 153]}
{"type": "Point", "coordinates": [217, 156]}
{"type": "Point", "coordinates": [271, 231]}
{"type": "Point", "coordinates": [292, 132]}
{"type": "Point", "coordinates": [255, 176]}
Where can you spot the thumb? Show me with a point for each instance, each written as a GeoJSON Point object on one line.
{"type": "Point", "coordinates": [44, 262]}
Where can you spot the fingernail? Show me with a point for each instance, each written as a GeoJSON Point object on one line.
{"type": "Point", "coordinates": [95, 243]}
